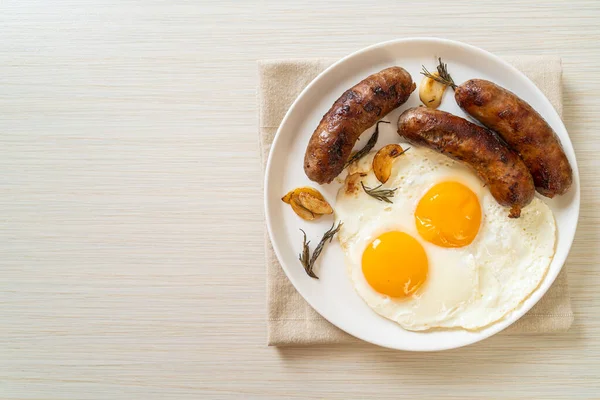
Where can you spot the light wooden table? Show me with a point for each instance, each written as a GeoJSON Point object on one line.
{"type": "Point", "coordinates": [131, 259]}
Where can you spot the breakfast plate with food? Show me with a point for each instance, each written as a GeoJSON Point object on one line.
{"type": "Point", "coordinates": [421, 194]}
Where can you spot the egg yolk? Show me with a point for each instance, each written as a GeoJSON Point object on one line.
{"type": "Point", "coordinates": [395, 264]}
{"type": "Point", "coordinates": [448, 215]}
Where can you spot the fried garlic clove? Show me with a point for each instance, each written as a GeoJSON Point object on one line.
{"type": "Point", "coordinates": [286, 199]}
{"type": "Point", "coordinates": [431, 91]}
{"type": "Point", "coordinates": [314, 204]}
{"type": "Point", "coordinates": [384, 160]}
{"type": "Point", "coordinates": [299, 209]}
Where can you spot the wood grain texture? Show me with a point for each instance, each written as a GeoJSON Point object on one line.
{"type": "Point", "coordinates": [131, 206]}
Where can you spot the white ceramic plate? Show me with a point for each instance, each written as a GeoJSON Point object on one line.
{"type": "Point", "coordinates": [333, 295]}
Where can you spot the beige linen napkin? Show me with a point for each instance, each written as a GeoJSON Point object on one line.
{"type": "Point", "coordinates": [291, 321]}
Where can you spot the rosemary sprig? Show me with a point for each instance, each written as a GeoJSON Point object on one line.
{"type": "Point", "coordinates": [379, 194]}
{"type": "Point", "coordinates": [399, 154]}
{"type": "Point", "coordinates": [309, 262]}
{"type": "Point", "coordinates": [368, 147]}
{"type": "Point", "coordinates": [443, 76]}
{"type": "Point", "coordinates": [305, 257]}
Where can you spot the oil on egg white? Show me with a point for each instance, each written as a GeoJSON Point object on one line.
{"type": "Point", "coordinates": [469, 287]}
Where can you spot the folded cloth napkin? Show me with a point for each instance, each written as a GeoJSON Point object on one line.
{"type": "Point", "coordinates": [291, 321]}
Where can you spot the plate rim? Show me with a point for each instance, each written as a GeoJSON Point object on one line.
{"type": "Point", "coordinates": [442, 41]}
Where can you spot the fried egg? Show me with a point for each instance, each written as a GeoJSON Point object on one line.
{"type": "Point", "coordinates": [444, 253]}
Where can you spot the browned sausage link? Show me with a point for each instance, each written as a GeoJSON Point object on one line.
{"type": "Point", "coordinates": [354, 112]}
{"type": "Point", "coordinates": [523, 129]}
{"type": "Point", "coordinates": [499, 167]}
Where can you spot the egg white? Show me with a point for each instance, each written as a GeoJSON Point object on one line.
{"type": "Point", "coordinates": [468, 287]}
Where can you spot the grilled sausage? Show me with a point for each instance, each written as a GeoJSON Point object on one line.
{"type": "Point", "coordinates": [523, 129]}
{"type": "Point", "coordinates": [355, 111]}
{"type": "Point", "coordinates": [499, 167]}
